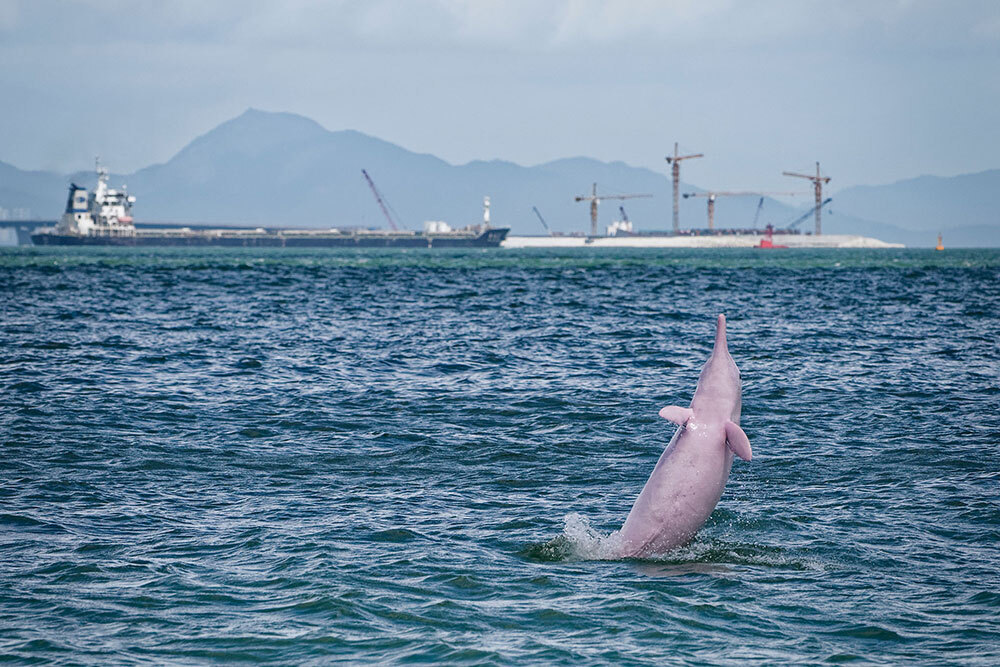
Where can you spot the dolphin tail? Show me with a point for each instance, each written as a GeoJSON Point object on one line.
{"type": "Point", "coordinates": [720, 334]}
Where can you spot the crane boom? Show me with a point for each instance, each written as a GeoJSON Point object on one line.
{"type": "Point", "coordinates": [805, 215]}
{"type": "Point", "coordinates": [381, 201]}
{"type": "Point", "coordinates": [724, 193]}
{"type": "Point", "coordinates": [541, 219]}
{"type": "Point", "coordinates": [756, 215]}
{"type": "Point", "coordinates": [595, 199]}
{"type": "Point", "coordinates": [600, 197]}
{"type": "Point", "coordinates": [678, 158]}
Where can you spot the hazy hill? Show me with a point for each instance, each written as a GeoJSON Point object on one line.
{"type": "Point", "coordinates": [927, 203]}
{"type": "Point", "coordinates": [958, 207]}
{"type": "Point", "coordinates": [281, 169]}
{"type": "Point", "coordinates": [41, 192]}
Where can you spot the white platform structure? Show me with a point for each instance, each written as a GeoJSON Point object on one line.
{"type": "Point", "coordinates": [721, 241]}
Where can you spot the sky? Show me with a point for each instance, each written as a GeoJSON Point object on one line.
{"type": "Point", "coordinates": [876, 90]}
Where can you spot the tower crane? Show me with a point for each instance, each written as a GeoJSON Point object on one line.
{"type": "Point", "coordinates": [381, 201]}
{"type": "Point", "coordinates": [595, 199]}
{"type": "Point", "coordinates": [818, 180]}
{"type": "Point", "coordinates": [675, 160]}
{"type": "Point", "coordinates": [712, 195]}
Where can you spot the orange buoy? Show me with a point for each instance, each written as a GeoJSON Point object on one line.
{"type": "Point", "coordinates": [939, 246]}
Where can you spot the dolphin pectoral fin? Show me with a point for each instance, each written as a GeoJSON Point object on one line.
{"type": "Point", "coordinates": [738, 441]}
{"type": "Point", "coordinates": [676, 414]}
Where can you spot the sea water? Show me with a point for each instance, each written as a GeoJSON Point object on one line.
{"type": "Point", "coordinates": [293, 457]}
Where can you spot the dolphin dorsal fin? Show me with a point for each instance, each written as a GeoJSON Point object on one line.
{"type": "Point", "coordinates": [677, 414]}
{"type": "Point", "coordinates": [738, 441]}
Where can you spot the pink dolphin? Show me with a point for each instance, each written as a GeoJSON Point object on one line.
{"type": "Point", "coordinates": [688, 480]}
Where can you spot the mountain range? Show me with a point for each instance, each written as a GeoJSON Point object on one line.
{"type": "Point", "coordinates": [281, 169]}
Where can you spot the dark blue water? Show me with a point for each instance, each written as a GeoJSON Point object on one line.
{"type": "Point", "coordinates": [303, 457]}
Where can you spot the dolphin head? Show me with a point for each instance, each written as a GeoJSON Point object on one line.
{"type": "Point", "coordinates": [719, 392]}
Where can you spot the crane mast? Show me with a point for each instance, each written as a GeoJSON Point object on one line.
{"type": "Point", "coordinates": [675, 160]}
{"type": "Point", "coordinates": [818, 180]}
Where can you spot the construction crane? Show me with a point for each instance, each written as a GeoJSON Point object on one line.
{"type": "Point", "coordinates": [794, 223]}
{"type": "Point", "coordinates": [381, 201]}
{"type": "Point", "coordinates": [594, 200]}
{"type": "Point", "coordinates": [712, 195]}
{"type": "Point", "coordinates": [541, 220]}
{"type": "Point", "coordinates": [675, 160]}
{"type": "Point", "coordinates": [818, 181]}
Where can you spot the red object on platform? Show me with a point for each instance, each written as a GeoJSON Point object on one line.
{"type": "Point", "coordinates": [768, 240]}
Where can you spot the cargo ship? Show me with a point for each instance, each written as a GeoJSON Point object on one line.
{"type": "Point", "coordinates": [104, 217]}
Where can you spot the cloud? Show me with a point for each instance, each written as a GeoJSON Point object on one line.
{"type": "Point", "coordinates": [8, 14]}
{"type": "Point", "coordinates": [521, 79]}
{"type": "Point", "coordinates": [538, 26]}
{"type": "Point", "coordinates": [988, 29]}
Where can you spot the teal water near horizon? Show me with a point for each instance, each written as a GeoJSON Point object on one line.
{"type": "Point", "coordinates": [305, 457]}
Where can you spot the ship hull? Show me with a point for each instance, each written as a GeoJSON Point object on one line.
{"type": "Point", "coordinates": [491, 238]}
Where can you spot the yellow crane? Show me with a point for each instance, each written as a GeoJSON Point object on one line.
{"type": "Point", "coordinates": [675, 160]}
{"type": "Point", "coordinates": [595, 199]}
{"type": "Point", "coordinates": [712, 195]}
{"type": "Point", "coordinates": [818, 180]}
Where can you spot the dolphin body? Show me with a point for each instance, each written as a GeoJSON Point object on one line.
{"type": "Point", "coordinates": [688, 480]}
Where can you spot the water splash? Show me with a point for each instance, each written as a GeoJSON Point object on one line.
{"type": "Point", "coordinates": [578, 541]}
{"type": "Point", "coordinates": [587, 543]}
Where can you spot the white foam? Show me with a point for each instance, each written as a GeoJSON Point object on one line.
{"type": "Point", "coordinates": [587, 543]}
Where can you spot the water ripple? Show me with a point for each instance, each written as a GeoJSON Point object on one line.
{"type": "Point", "coordinates": [378, 456]}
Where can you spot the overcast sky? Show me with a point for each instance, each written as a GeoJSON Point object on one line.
{"type": "Point", "coordinates": [876, 90]}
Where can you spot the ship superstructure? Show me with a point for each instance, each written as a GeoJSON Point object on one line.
{"type": "Point", "coordinates": [103, 212]}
